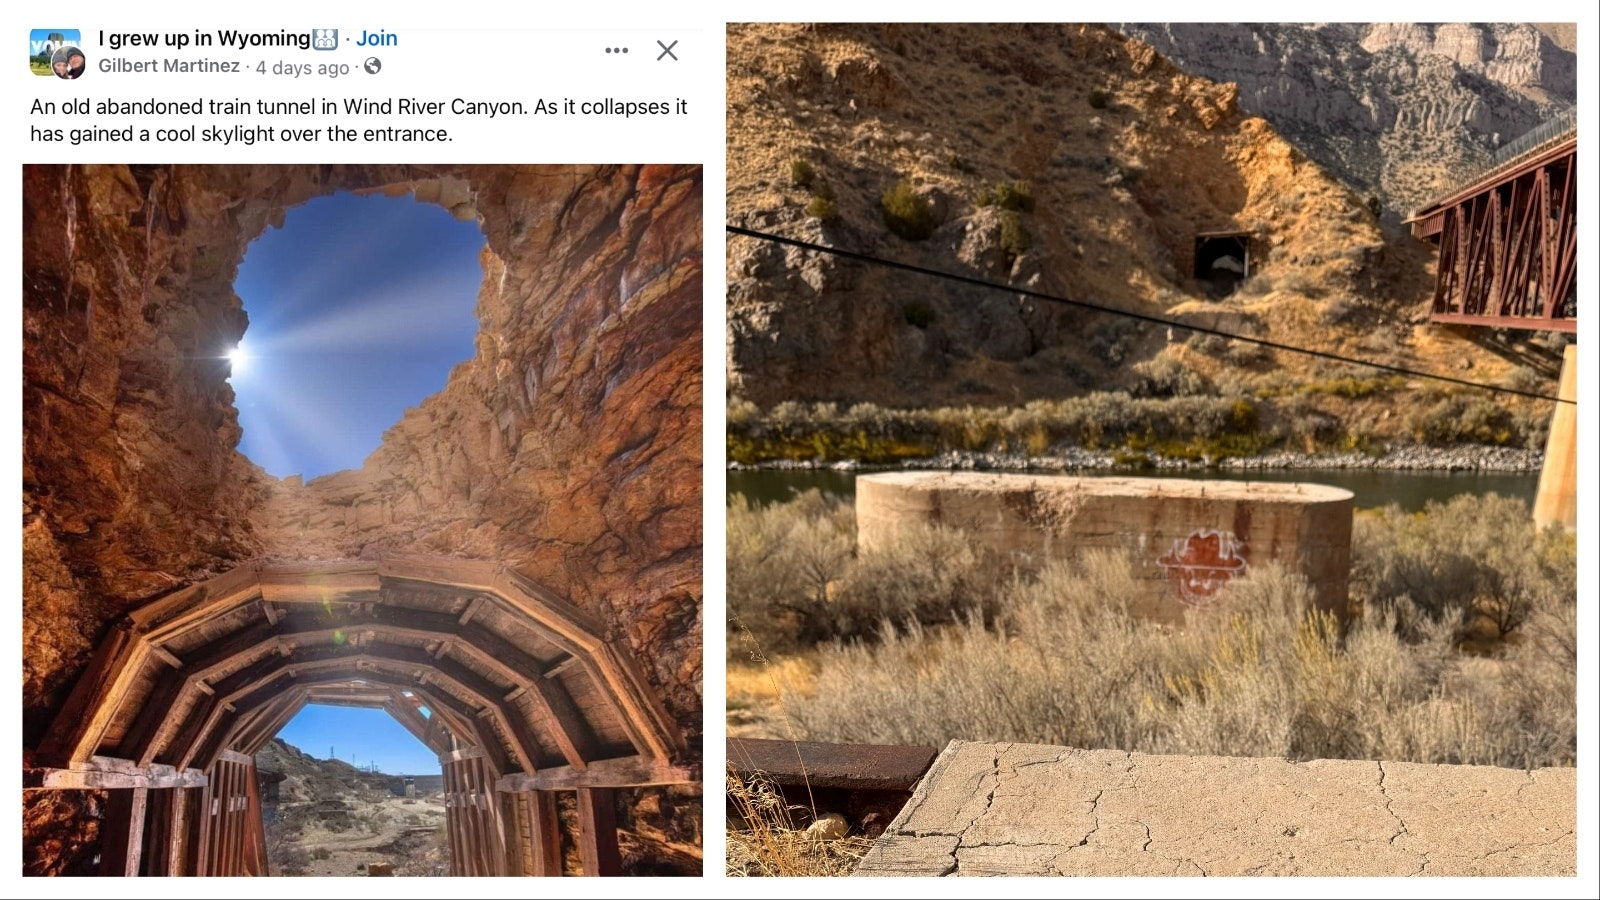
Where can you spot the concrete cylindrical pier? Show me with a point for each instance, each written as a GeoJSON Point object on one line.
{"type": "Point", "coordinates": [1557, 501]}
{"type": "Point", "coordinates": [1185, 538]}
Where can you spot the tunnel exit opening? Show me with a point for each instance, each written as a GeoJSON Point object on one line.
{"type": "Point", "coordinates": [1222, 260]}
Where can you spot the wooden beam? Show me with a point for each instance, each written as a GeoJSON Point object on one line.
{"type": "Point", "coordinates": [279, 585]}
{"type": "Point", "coordinates": [79, 727]}
{"type": "Point", "coordinates": [412, 721]}
{"type": "Point", "coordinates": [122, 832]}
{"type": "Point", "coordinates": [628, 771]}
{"type": "Point", "coordinates": [471, 610]}
{"type": "Point", "coordinates": [597, 832]}
{"type": "Point", "coordinates": [545, 606]}
{"type": "Point", "coordinates": [106, 773]}
{"type": "Point", "coordinates": [545, 833]}
{"type": "Point", "coordinates": [165, 656]}
{"type": "Point", "coordinates": [187, 607]}
{"type": "Point", "coordinates": [268, 727]}
{"type": "Point", "coordinates": [650, 729]}
{"type": "Point", "coordinates": [186, 746]}
{"type": "Point", "coordinates": [459, 755]}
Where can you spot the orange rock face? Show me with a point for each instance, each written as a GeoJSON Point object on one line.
{"type": "Point", "coordinates": [568, 448]}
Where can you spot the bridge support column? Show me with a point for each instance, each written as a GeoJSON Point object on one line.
{"type": "Point", "coordinates": [1557, 501]}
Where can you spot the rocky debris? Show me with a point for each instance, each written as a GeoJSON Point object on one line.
{"type": "Point", "coordinates": [1399, 109]}
{"type": "Point", "coordinates": [828, 826]}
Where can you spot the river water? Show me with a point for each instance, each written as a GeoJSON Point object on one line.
{"type": "Point", "coordinates": [1372, 488]}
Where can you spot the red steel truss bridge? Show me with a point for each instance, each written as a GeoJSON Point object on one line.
{"type": "Point", "coordinates": [1507, 236]}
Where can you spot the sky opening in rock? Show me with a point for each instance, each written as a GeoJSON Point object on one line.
{"type": "Point", "coordinates": [359, 306]}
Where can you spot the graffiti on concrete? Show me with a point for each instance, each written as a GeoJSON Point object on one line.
{"type": "Point", "coordinates": [1200, 564]}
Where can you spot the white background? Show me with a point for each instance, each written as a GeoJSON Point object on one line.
{"type": "Point", "coordinates": [523, 52]}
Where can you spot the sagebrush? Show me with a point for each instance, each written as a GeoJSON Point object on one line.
{"type": "Point", "coordinates": [927, 640]}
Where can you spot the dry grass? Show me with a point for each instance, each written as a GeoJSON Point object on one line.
{"type": "Point", "coordinates": [795, 579]}
{"type": "Point", "coordinates": [764, 839]}
{"type": "Point", "coordinates": [1266, 675]}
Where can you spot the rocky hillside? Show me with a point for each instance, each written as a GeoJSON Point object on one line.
{"type": "Point", "coordinates": [1394, 108]}
{"type": "Point", "coordinates": [1067, 159]}
{"type": "Point", "coordinates": [307, 778]}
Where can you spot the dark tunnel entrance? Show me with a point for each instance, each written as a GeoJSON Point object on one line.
{"type": "Point", "coordinates": [1222, 260]}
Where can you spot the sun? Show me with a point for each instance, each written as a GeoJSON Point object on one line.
{"type": "Point", "coordinates": [238, 360]}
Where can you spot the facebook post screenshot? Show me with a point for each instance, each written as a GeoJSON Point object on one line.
{"type": "Point", "coordinates": [361, 440]}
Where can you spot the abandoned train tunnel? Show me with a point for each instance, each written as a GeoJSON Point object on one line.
{"type": "Point", "coordinates": [513, 574]}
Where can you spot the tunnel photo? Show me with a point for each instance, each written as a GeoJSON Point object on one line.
{"type": "Point", "coordinates": [362, 520]}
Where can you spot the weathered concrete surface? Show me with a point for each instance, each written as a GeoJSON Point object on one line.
{"type": "Point", "coordinates": [1186, 538]}
{"type": "Point", "coordinates": [1027, 809]}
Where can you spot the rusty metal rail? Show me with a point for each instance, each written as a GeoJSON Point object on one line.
{"type": "Point", "coordinates": [850, 767]}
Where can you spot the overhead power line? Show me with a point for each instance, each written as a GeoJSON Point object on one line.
{"type": "Point", "coordinates": [1142, 317]}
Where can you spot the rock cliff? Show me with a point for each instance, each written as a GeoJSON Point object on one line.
{"type": "Point", "coordinates": [1394, 108]}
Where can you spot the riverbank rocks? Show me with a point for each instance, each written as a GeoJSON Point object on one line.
{"type": "Point", "coordinates": [1186, 539]}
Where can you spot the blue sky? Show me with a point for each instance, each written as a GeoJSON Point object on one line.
{"type": "Point", "coordinates": [359, 307]}
{"type": "Point", "coordinates": [360, 737]}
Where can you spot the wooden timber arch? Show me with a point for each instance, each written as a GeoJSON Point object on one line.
{"type": "Point", "coordinates": [519, 692]}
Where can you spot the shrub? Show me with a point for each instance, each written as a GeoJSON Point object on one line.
{"type": "Point", "coordinates": [1015, 238]}
{"type": "Point", "coordinates": [908, 214]}
{"type": "Point", "coordinates": [822, 210]}
{"type": "Point", "coordinates": [1099, 98]}
{"type": "Point", "coordinates": [1472, 562]}
{"type": "Point", "coordinates": [1016, 196]}
{"type": "Point", "coordinates": [1166, 376]}
{"type": "Point", "coordinates": [1457, 418]}
{"type": "Point", "coordinates": [795, 579]}
{"type": "Point", "coordinates": [802, 173]}
{"type": "Point", "coordinates": [1375, 206]}
{"type": "Point", "coordinates": [1209, 344]}
{"type": "Point", "coordinates": [1266, 675]}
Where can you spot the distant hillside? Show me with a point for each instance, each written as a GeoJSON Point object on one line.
{"type": "Point", "coordinates": [308, 778]}
{"type": "Point", "coordinates": [1394, 108]}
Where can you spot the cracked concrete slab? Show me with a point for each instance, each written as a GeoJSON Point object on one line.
{"type": "Point", "coordinates": [1027, 809]}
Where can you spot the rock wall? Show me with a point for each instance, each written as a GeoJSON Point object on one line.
{"type": "Point", "coordinates": [567, 448]}
{"type": "Point", "coordinates": [1394, 108]}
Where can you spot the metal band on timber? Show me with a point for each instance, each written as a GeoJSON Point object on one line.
{"type": "Point", "coordinates": [520, 693]}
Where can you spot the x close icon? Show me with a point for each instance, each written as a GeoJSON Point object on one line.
{"type": "Point", "coordinates": [666, 50]}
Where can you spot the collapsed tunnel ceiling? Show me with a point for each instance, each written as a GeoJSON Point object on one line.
{"type": "Point", "coordinates": [566, 451]}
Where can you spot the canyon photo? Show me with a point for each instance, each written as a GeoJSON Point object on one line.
{"type": "Point", "coordinates": [523, 546]}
